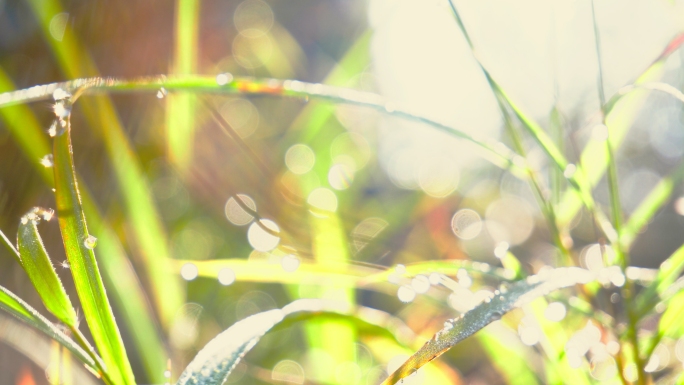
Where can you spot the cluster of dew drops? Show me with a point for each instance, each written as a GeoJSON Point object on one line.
{"type": "Point", "coordinates": [62, 110]}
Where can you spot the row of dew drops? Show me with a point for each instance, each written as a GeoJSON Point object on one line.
{"type": "Point", "coordinates": [62, 110]}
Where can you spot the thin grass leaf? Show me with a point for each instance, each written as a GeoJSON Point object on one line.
{"type": "Point", "coordinates": [117, 270]}
{"type": "Point", "coordinates": [25, 313]}
{"type": "Point", "coordinates": [668, 273]}
{"type": "Point", "coordinates": [37, 264]}
{"type": "Point", "coordinates": [101, 115]}
{"type": "Point", "coordinates": [458, 329]}
{"type": "Point", "coordinates": [649, 206]}
{"type": "Point", "coordinates": [214, 363]}
{"type": "Point", "coordinates": [337, 274]}
{"type": "Point", "coordinates": [180, 108]}
{"type": "Point", "coordinates": [78, 245]}
{"type": "Point", "coordinates": [495, 152]}
{"type": "Point", "coordinates": [9, 246]}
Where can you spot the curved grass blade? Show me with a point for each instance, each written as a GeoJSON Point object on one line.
{"type": "Point", "coordinates": [37, 264]}
{"type": "Point", "coordinates": [25, 313]}
{"type": "Point", "coordinates": [78, 245]}
{"type": "Point", "coordinates": [495, 152]}
{"type": "Point", "coordinates": [101, 115]}
{"type": "Point", "coordinates": [458, 329]}
{"type": "Point", "coordinates": [214, 363]}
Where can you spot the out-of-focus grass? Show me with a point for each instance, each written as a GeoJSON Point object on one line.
{"type": "Point", "coordinates": [101, 115]}
{"type": "Point", "coordinates": [181, 116]}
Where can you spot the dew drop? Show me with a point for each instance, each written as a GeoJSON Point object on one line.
{"type": "Point", "coordinates": [555, 312]}
{"type": "Point", "coordinates": [90, 242]}
{"type": "Point", "coordinates": [162, 93]}
{"type": "Point", "coordinates": [62, 109]}
{"type": "Point", "coordinates": [495, 316]}
{"type": "Point", "coordinates": [47, 214]}
{"type": "Point", "coordinates": [52, 131]}
{"type": "Point", "coordinates": [226, 276]}
{"type": "Point", "coordinates": [290, 263]}
{"type": "Point", "coordinates": [60, 94]}
{"type": "Point", "coordinates": [421, 284]}
{"type": "Point", "coordinates": [46, 161]}
{"type": "Point", "coordinates": [406, 294]}
{"type": "Point", "coordinates": [167, 374]}
{"type": "Point", "coordinates": [570, 170]}
{"type": "Point", "coordinates": [189, 271]}
{"type": "Point", "coordinates": [224, 78]}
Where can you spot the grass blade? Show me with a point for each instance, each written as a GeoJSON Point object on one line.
{"type": "Point", "coordinates": [25, 313]}
{"type": "Point", "coordinates": [37, 264]}
{"type": "Point", "coordinates": [79, 250]}
{"type": "Point", "coordinates": [180, 108]}
{"type": "Point", "coordinates": [214, 363]}
{"type": "Point", "coordinates": [117, 271]}
{"type": "Point", "coordinates": [495, 152]}
{"type": "Point", "coordinates": [668, 273]}
{"type": "Point", "coordinates": [336, 274]}
{"type": "Point", "coordinates": [456, 330]}
{"type": "Point", "coordinates": [9, 246]}
{"type": "Point", "coordinates": [647, 209]}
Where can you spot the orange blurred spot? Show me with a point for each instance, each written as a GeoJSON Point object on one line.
{"type": "Point", "coordinates": [25, 377]}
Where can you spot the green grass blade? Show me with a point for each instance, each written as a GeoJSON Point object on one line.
{"type": "Point", "coordinates": [25, 313]}
{"type": "Point", "coordinates": [128, 295]}
{"type": "Point", "coordinates": [458, 329]}
{"type": "Point", "coordinates": [337, 274]}
{"type": "Point", "coordinates": [37, 264]}
{"type": "Point", "coordinates": [180, 108]}
{"type": "Point", "coordinates": [78, 245]}
{"type": "Point", "coordinates": [647, 209]}
{"type": "Point", "coordinates": [117, 270]}
{"type": "Point", "coordinates": [667, 274]}
{"type": "Point", "coordinates": [214, 363]}
{"type": "Point", "coordinates": [495, 152]}
{"type": "Point", "coordinates": [100, 113]}
{"type": "Point", "coordinates": [10, 247]}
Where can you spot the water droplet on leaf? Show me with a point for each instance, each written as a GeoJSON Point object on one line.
{"type": "Point", "coordinates": [90, 242]}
